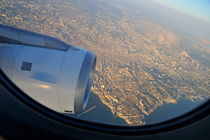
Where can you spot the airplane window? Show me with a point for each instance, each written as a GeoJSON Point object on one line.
{"type": "Point", "coordinates": [152, 65]}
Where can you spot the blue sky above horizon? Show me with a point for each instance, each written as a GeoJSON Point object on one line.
{"type": "Point", "coordinates": [196, 8]}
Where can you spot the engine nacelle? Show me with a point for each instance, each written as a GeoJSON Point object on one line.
{"type": "Point", "coordinates": [50, 71]}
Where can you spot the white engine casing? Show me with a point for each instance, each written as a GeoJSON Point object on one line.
{"type": "Point", "coordinates": [57, 79]}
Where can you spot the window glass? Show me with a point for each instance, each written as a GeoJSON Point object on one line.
{"type": "Point", "coordinates": [153, 57]}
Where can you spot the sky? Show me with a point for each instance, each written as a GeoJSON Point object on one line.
{"type": "Point", "coordinates": [195, 8]}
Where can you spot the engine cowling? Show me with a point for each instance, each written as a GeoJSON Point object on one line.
{"type": "Point", "coordinates": [48, 70]}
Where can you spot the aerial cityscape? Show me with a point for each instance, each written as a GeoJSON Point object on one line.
{"type": "Point", "coordinates": [143, 62]}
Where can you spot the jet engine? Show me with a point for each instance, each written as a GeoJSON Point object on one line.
{"type": "Point", "coordinates": [55, 74]}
